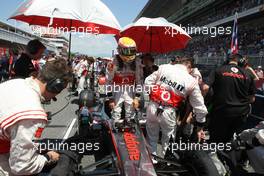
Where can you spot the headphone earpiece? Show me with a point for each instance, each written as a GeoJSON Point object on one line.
{"type": "Point", "coordinates": [56, 85]}
{"type": "Point", "coordinates": [242, 62]}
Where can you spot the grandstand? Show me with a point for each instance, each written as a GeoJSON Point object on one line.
{"type": "Point", "coordinates": [215, 15]}
{"type": "Point", "coordinates": [14, 38]}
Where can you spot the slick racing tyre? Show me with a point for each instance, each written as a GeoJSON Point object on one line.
{"type": "Point", "coordinates": [199, 163]}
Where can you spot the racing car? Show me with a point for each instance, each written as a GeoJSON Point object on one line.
{"type": "Point", "coordinates": [123, 149]}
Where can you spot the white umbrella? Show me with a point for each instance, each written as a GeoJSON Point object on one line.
{"type": "Point", "coordinates": [90, 16]}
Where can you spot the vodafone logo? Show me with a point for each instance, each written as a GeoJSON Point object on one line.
{"type": "Point", "coordinates": [125, 80]}
{"type": "Point", "coordinates": [132, 145]}
{"type": "Point", "coordinates": [165, 96]}
{"type": "Point", "coordinates": [234, 69]}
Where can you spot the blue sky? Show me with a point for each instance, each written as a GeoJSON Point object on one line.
{"type": "Point", "coordinates": [124, 10]}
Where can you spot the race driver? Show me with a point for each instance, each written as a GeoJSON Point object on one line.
{"type": "Point", "coordinates": [22, 118]}
{"type": "Point", "coordinates": [124, 74]}
{"type": "Point", "coordinates": [169, 86]}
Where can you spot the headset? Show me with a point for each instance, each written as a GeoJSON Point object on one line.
{"type": "Point", "coordinates": [56, 85]}
{"type": "Point", "coordinates": [242, 62]}
{"type": "Point", "coordinates": [240, 59]}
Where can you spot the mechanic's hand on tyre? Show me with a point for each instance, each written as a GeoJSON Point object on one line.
{"type": "Point", "coordinates": [54, 156]}
{"type": "Point", "coordinates": [200, 134]}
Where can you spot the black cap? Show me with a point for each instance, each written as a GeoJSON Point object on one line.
{"type": "Point", "coordinates": [237, 56]}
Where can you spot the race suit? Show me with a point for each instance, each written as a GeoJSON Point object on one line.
{"type": "Point", "coordinates": [169, 86]}
{"type": "Point", "coordinates": [197, 75]}
{"type": "Point", "coordinates": [188, 127]}
{"type": "Point", "coordinates": [122, 82]}
{"type": "Point", "coordinates": [101, 85]}
{"type": "Point", "coordinates": [22, 119]}
{"type": "Point", "coordinates": [82, 70]}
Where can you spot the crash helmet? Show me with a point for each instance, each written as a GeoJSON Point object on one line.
{"type": "Point", "coordinates": [87, 99]}
{"type": "Point", "coordinates": [127, 49]}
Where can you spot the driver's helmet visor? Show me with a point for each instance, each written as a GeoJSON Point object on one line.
{"type": "Point", "coordinates": [131, 51]}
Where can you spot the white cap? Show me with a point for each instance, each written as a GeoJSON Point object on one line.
{"type": "Point", "coordinates": [259, 66]}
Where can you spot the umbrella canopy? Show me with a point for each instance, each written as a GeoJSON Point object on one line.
{"type": "Point", "coordinates": [91, 16]}
{"type": "Point", "coordinates": [156, 35]}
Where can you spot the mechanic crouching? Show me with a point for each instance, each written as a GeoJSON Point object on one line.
{"type": "Point", "coordinates": [169, 86]}
{"type": "Point", "coordinates": [22, 118]}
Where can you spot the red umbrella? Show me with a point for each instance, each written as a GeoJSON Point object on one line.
{"type": "Point", "coordinates": [156, 35]}
{"type": "Point", "coordinates": [90, 16]}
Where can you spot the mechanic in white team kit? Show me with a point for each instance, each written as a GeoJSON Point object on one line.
{"type": "Point", "coordinates": [22, 118]}
{"type": "Point", "coordinates": [255, 137]}
{"type": "Point", "coordinates": [124, 73]}
{"type": "Point", "coordinates": [82, 70]}
{"type": "Point", "coordinates": [169, 86]}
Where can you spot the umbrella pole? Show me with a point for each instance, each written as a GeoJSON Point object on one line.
{"type": "Point", "coordinates": [69, 54]}
{"type": "Point", "coordinates": [150, 40]}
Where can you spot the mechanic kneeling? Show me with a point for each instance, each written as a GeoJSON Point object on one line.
{"type": "Point", "coordinates": [169, 86]}
{"type": "Point", "coordinates": [22, 118]}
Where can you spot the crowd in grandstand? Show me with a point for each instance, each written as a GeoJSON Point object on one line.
{"type": "Point", "coordinates": [251, 37]}
{"type": "Point", "coordinates": [250, 43]}
{"type": "Point", "coordinates": [228, 10]}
